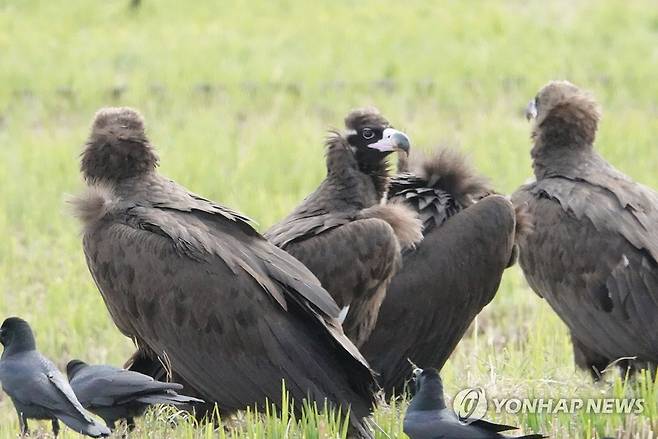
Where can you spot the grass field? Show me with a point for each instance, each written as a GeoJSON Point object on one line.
{"type": "Point", "coordinates": [237, 98]}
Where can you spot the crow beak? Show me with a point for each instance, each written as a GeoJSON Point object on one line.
{"type": "Point", "coordinates": [392, 140]}
{"type": "Point", "coordinates": [531, 110]}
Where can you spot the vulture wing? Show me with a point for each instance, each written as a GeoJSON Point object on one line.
{"type": "Point", "coordinates": [443, 284]}
{"type": "Point", "coordinates": [433, 204]}
{"type": "Point", "coordinates": [354, 261]}
{"type": "Point", "coordinates": [450, 276]}
{"type": "Point", "coordinates": [306, 225]}
{"type": "Point", "coordinates": [593, 256]}
{"type": "Point", "coordinates": [233, 314]}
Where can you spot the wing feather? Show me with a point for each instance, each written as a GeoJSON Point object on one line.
{"type": "Point", "coordinates": [593, 257]}
{"type": "Point", "coordinates": [443, 284]}
{"type": "Point", "coordinates": [193, 292]}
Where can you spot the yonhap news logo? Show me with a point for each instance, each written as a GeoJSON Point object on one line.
{"type": "Point", "coordinates": [471, 404]}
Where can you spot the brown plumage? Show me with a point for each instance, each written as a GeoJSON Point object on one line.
{"type": "Point", "coordinates": [450, 276]}
{"type": "Point", "coordinates": [198, 288]}
{"type": "Point", "coordinates": [593, 251]}
{"type": "Point", "coordinates": [341, 232]}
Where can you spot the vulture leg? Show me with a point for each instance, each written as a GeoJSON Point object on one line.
{"type": "Point", "coordinates": [586, 358]}
{"type": "Point", "coordinates": [142, 362]}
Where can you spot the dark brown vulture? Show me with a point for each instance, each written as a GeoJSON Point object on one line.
{"type": "Point", "coordinates": [450, 276]}
{"type": "Point", "coordinates": [342, 233]}
{"type": "Point", "coordinates": [593, 254]}
{"type": "Point", "coordinates": [197, 287]}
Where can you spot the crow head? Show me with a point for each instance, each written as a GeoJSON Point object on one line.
{"type": "Point", "coordinates": [117, 147]}
{"type": "Point", "coordinates": [16, 336]}
{"type": "Point", "coordinates": [372, 138]}
{"type": "Point", "coordinates": [564, 116]}
{"type": "Point", "coordinates": [428, 390]}
{"type": "Point", "coordinates": [73, 367]}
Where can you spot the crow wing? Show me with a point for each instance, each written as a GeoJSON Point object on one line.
{"type": "Point", "coordinates": [107, 386]}
{"type": "Point", "coordinates": [593, 256]}
{"type": "Point", "coordinates": [34, 380]}
{"type": "Point", "coordinates": [443, 284]}
{"type": "Point", "coordinates": [233, 314]}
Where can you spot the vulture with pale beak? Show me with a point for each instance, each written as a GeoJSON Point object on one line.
{"type": "Point", "coordinates": [593, 254]}
{"type": "Point", "coordinates": [342, 233]}
{"type": "Point", "coordinates": [201, 291]}
{"type": "Point", "coordinates": [448, 278]}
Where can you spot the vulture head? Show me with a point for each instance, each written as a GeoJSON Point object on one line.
{"type": "Point", "coordinates": [117, 147]}
{"type": "Point", "coordinates": [564, 116]}
{"type": "Point", "coordinates": [371, 137]}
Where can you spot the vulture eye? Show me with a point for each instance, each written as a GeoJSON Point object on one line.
{"type": "Point", "coordinates": [368, 133]}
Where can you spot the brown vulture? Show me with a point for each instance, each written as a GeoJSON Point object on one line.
{"type": "Point", "coordinates": [198, 288]}
{"type": "Point", "coordinates": [593, 254]}
{"type": "Point", "coordinates": [450, 276]}
{"type": "Point", "coordinates": [342, 233]}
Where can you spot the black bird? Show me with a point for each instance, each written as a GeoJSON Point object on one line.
{"type": "Point", "coordinates": [593, 254]}
{"type": "Point", "coordinates": [117, 394]}
{"type": "Point", "coordinates": [342, 233]}
{"type": "Point", "coordinates": [35, 385]}
{"type": "Point", "coordinates": [428, 417]}
{"type": "Point", "coordinates": [448, 278]}
{"type": "Point", "coordinates": [200, 290]}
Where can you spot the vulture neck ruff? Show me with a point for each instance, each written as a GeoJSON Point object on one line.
{"type": "Point", "coordinates": [110, 161]}
{"type": "Point", "coordinates": [560, 160]}
{"type": "Point", "coordinates": [342, 164]}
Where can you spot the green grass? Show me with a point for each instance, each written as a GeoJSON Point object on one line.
{"type": "Point", "coordinates": [238, 97]}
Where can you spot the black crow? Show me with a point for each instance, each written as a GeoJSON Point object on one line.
{"type": "Point", "coordinates": [342, 233]}
{"type": "Point", "coordinates": [428, 417]}
{"type": "Point", "coordinates": [593, 253]}
{"type": "Point", "coordinates": [198, 288]}
{"type": "Point", "coordinates": [117, 394]}
{"type": "Point", "coordinates": [36, 387]}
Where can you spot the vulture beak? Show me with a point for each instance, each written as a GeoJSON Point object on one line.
{"type": "Point", "coordinates": [392, 140]}
{"type": "Point", "coordinates": [531, 110]}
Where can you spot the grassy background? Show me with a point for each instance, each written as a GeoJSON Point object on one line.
{"type": "Point", "coordinates": [238, 97]}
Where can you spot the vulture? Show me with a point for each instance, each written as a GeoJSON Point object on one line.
{"type": "Point", "coordinates": [36, 387]}
{"type": "Point", "coordinates": [198, 289]}
{"type": "Point", "coordinates": [342, 232]}
{"type": "Point", "coordinates": [593, 253]}
{"type": "Point", "coordinates": [428, 417]}
{"type": "Point", "coordinates": [448, 278]}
